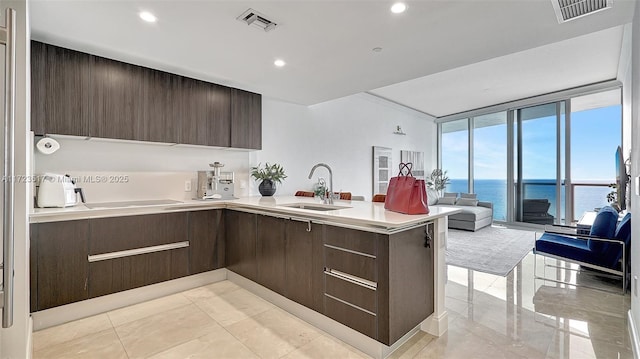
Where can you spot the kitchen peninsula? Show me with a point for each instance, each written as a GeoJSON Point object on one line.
{"type": "Point", "coordinates": [366, 275]}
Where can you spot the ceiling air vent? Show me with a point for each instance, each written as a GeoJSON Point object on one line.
{"type": "Point", "coordinates": [567, 10]}
{"type": "Point", "coordinates": [254, 18]}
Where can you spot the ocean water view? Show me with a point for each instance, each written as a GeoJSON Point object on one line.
{"type": "Point", "coordinates": [586, 198]}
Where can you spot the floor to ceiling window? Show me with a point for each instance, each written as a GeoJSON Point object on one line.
{"type": "Point", "coordinates": [562, 162]}
{"type": "Point", "coordinates": [454, 139]}
{"type": "Point", "coordinates": [490, 161]}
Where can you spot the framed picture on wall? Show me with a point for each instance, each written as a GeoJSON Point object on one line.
{"type": "Point", "coordinates": [417, 158]}
{"type": "Point", "coordinates": [382, 169]}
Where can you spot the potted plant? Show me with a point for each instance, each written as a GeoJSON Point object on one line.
{"type": "Point", "coordinates": [269, 175]}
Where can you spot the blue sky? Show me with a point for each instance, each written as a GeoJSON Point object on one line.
{"type": "Point", "coordinates": [595, 136]}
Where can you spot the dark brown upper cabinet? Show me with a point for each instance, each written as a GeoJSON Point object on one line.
{"type": "Point", "coordinates": [59, 90]}
{"type": "Point", "coordinates": [75, 93]}
{"type": "Point", "coordinates": [116, 91]}
{"type": "Point", "coordinates": [160, 106]}
{"type": "Point", "coordinates": [205, 115]}
{"type": "Point", "coordinates": [246, 119]}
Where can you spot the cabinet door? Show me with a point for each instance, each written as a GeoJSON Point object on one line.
{"type": "Point", "coordinates": [405, 288]}
{"type": "Point", "coordinates": [271, 253]}
{"type": "Point", "coordinates": [160, 107]}
{"type": "Point", "coordinates": [62, 267]}
{"type": "Point", "coordinates": [205, 113]}
{"type": "Point", "coordinates": [59, 90]}
{"type": "Point", "coordinates": [240, 246]}
{"type": "Point", "coordinates": [246, 119]}
{"type": "Point", "coordinates": [206, 240]}
{"type": "Point", "coordinates": [116, 92]}
{"type": "Point", "coordinates": [304, 268]}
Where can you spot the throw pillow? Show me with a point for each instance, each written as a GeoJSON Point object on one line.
{"type": "Point", "coordinates": [603, 226]}
{"type": "Point", "coordinates": [447, 200]}
{"type": "Point", "coordinates": [451, 194]}
{"type": "Point", "coordinates": [467, 202]}
{"type": "Point", "coordinates": [469, 195]}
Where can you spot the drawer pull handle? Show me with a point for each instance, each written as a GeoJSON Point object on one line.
{"type": "Point", "coordinates": [350, 251]}
{"type": "Point", "coordinates": [135, 252]}
{"type": "Point", "coordinates": [351, 279]}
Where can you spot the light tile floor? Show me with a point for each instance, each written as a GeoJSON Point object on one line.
{"type": "Point", "coordinates": [489, 317]}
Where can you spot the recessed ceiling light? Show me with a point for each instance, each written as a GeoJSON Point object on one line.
{"type": "Point", "coordinates": [147, 16]}
{"type": "Point", "coordinates": [398, 7]}
{"type": "Point", "coordinates": [376, 49]}
{"type": "Point", "coordinates": [279, 63]}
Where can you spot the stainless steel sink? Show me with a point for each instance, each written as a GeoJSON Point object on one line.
{"type": "Point", "coordinates": [151, 202]}
{"type": "Point", "coordinates": [314, 206]}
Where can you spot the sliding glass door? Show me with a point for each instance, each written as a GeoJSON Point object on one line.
{"type": "Point", "coordinates": [539, 182]}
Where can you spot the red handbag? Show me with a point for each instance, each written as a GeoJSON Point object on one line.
{"type": "Point", "coordinates": [406, 194]}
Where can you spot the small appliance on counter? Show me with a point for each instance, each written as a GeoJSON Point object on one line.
{"type": "Point", "coordinates": [215, 184]}
{"type": "Point", "coordinates": [58, 191]}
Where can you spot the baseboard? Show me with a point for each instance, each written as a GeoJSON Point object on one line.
{"type": "Point", "coordinates": [356, 339]}
{"type": "Point", "coordinates": [86, 308]}
{"type": "Point", "coordinates": [633, 335]}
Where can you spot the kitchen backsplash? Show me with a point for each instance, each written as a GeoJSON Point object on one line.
{"type": "Point", "coordinates": [110, 170]}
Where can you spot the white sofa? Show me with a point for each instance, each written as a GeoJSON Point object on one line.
{"type": "Point", "coordinates": [475, 214]}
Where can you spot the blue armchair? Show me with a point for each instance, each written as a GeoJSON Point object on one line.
{"type": "Point", "coordinates": [606, 248]}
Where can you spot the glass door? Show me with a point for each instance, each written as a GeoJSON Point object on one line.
{"type": "Point", "coordinates": [538, 178]}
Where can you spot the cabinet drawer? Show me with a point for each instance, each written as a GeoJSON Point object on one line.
{"type": "Point", "coordinates": [351, 263]}
{"type": "Point", "coordinates": [124, 233]}
{"type": "Point", "coordinates": [354, 318]}
{"type": "Point", "coordinates": [351, 239]}
{"type": "Point", "coordinates": [119, 274]}
{"type": "Point", "coordinates": [356, 294]}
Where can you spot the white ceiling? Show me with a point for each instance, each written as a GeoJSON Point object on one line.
{"type": "Point", "coordinates": [328, 46]}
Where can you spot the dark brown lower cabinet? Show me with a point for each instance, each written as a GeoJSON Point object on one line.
{"type": "Point", "coordinates": [240, 246]}
{"type": "Point", "coordinates": [206, 240]}
{"type": "Point", "coordinates": [61, 268]}
{"type": "Point", "coordinates": [382, 290]}
{"type": "Point", "coordinates": [270, 253]}
{"type": "Point", "coordinates": [304, 267]}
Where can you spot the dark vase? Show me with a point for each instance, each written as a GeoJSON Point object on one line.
{"type": "Point", "coordinates": [267, 188]}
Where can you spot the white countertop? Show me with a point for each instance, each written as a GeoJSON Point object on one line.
{"type": "Point", "coordinates": [358, 213]}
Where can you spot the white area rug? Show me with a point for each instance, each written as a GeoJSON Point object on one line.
{"type": "Point", "coordinates": [492, 250]}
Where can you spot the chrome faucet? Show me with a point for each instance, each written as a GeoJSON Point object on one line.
{"type": "Point", "coordinates": [329, 198]}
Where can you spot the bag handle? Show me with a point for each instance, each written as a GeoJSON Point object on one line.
{"type": "Point", "coordinates": [407, 166]}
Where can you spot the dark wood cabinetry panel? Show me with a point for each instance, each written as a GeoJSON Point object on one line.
{"type": "Point", "coordinates": [119, 274]}
{"type": "Point", "coordinates": [122, 233]}
{"type": "Point", "coordinates": [116, 90]}
{"type": "Point", "coordinates": [271, 253]}
{"type": "Point", "coordinates": [206, 240]}
{"type": "Point", "coordinates": [411, 292]}
{"type": "Point", "coordinates": [62, 267]}
{"type": "Point", "coordinates": [33, 267]}
{"type": "Point", "coordinates": [351, 239]}
{"type": "Point", "coordinates": [355, 294]}
{"type": "Point", "coordinates": [74, 93]}
{"type": "Point", "coordinates": [160, 107]}
{"type": "Point", "coordinates": [350, 263]}
{"type": "Point", "coordinates": [246, 119]}
{"type": "Point", "coordinates": [240, 246]}
{"type": "Point", "coordinates": [304, 264]}
{"type": "Point", "coordinates": [59, 90]}
{"type": "Point", "coordinates": [205, 114]}
{"type": "Point", "coordinates": [352, 317]}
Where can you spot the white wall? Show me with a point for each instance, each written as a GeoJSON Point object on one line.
{"type": "Point", "coordinates": [633, 84]}
{"type": "Point", "coordinates": [340, 133]}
